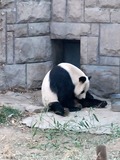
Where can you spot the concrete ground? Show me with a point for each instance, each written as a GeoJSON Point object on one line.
{"type": "Point", "coordinates": [92, 120]}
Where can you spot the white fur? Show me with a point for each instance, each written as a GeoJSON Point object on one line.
{"type": "Point", "coordinates": [47, 95]}
{"type": "Point", "coordinates": [75, 73]}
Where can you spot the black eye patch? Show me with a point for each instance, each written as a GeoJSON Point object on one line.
{"type": "Point", "coordinates": [82, 92]}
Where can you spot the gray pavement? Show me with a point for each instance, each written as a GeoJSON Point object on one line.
{"type": "Point", "coordinates": [97, 121]}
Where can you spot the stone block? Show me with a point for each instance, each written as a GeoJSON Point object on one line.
{"type": "Point", "coordinates": [2, 78]}
{"type": "Point", "coordinates": [5, 4]}
{"type": "Point", "coordinates": [109, 61]}
{"type": "Point", "coordinates": [10, 28]}
{"type": "Point", "coordinates": [97, 15]}
{"type": "Point", "coordinates": [109, 3]}
{"type": "Point", "coordinates": [2, 37]}
{"type": "Point", "coordinates": [15, 76]}
{"type": "Point", "coordinates": [12, 76]}
{"type": "Point", "coordinates": [115, 16]}
{"type": "Point", "coordinates": [58, 30]}
{"type": "Point", "coordinates": [75, 9]}
{"type": "Point", "coordinates": [11, 16]}
{"type": "Point", "coordinates": [105, 79]}
{"type": "Point", "coordinates": [20, 30]}
{"type": "Point", "coordinates": [75, 30]}
{"type": "Point", "coordinates": [36, 73]}
{"type": "Point", "coordinates": [36, 29]}
{"type": "Point", "coordinates": [69, 30]}
{"type": "Point", "coordinates": [110, 39]}
{"type": "Point", "coordinates": [89, 50]}
{"type": "Point", "coordinates": [10, 51]}
{"type": "Point", "coordinates": [90, 3]}
{"type": "Point", "coordinates": [32, 49]}
{"type": "Point", "coordinates": [58, 10]}
{"type": "Point", "coordinates": [33, 11]}
{"type": "Point", "coordinates": [95, 29]}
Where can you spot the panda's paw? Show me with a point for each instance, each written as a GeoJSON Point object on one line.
{"type": "Point", "coordinates": [75, 109]}
{"type": "Point", "coordinates": [103, 104]}
{"type": "Point", "coordinates": [59, 113]}
{"type": "Point", "coordinates": [66, 112]}
{"type": "Point", "coordinates": [78, 106]}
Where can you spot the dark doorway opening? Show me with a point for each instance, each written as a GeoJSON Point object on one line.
{"type": "Point", "coordinates": [66, 51]}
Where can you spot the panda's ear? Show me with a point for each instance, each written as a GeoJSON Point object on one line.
{"type": "Point", "coordinates": [82, 79]}
{"type": "Point", "coordinates": [89, 77]}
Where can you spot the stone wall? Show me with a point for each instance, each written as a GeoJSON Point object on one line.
{"type": "Point", "coordinates": [25, 46]}
{"type": "Point", "coordinates": [26, 30]}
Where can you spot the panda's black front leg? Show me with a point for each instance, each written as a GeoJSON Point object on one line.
{"type": "Point", "coordinates": [57, 108]}
{"type": "Point", "coordinates": [73, 106]}
{"type": "Point", "coordinates": [74, 109]}
{"type": "Point", "coordinates": [89, 95]}
{"type": "Point", "coordinates": [95, 103]}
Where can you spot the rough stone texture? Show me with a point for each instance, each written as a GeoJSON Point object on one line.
{"type": "Point", "coordinates": [2, 37]}
{"type": "Point", "coordinates": [10, 76]}
{"type": "Point", "coordinates": [32, 49]}
{"type": "Point", "coordinates": [58, 10]}
{"type": "Point", "coordinates": [109, 61]}
{"type": "Point", "coordinates": [11, 16]}
{"type": "Point", "coordinates": [75, 10]}
{"type": "Point", "coordinates": [20, 30]}
{"type": "Point", "coordinates": [58, 30]}
{"type": "Point", "coordinates": [38, 29]}
{"type": "Point", "coordinates": [32, 11]}
{"type": "Point", "coordinates": [2, 78]}
{"type": "Point", "coordinates": [109, 3]}
{"type": "Point", "coordinates": [105, 79]}
{"type": "Point", "coordinates": [90, 3]}
{"type": "Point", "coordinates": [115, 16]}
{"type": "Point", "coordinates": [29, 101]}
{"type": "Point", "coordinates": [7, 3]}
{"type": "Point", "coordinates": [15, 76]}
{"type": "Point", "coordinates": [10, 51]}
{"type": "Point", "coordinates": [97, 15]}
{"type": "Point", "coordinates": [36, 73]}
{"type": "Point", "coordinates": [89, 50]}
{"type": "Point", "coordinates": [110, 39]}
{"type": "Point", "coordinates": [95, 29]}
{"type": "Point", "coordinates": [69, 30]}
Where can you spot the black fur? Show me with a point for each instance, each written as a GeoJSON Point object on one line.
{"type": "Point", "coordinates": [89, 101]}
{"type": "Point", "coordinates": [61, 84]}
{"type": "Point", "coordinates": [57, 108]}
{"type": "Point", "coordinates": [82, 79]}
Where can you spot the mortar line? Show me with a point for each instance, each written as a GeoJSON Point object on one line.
{"type": "Point", "coordinates": [16, 11]}
{"type": "Point", "coordinates": [13, 47]}
{"type": "Point", "coordinates": [66, 15]}
{"type": "Point", "coordinates": [26, 76]}
{"type": "Point", "coordinates": [119, 75]}
{"type": "Point", "coordinates": [84, 11]}
{"type": "Point", "coordinates": [99, 44]}
{"type": "Point", "coordinates": [6, 38]}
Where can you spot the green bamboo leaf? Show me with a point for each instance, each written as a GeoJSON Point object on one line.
{"type": "Point", "coordinates": [95, 117]}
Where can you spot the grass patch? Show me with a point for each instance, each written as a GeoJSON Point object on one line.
{"type": "Point", "coordinates": [72, 145]}
{"type": "Point", "coordinates": [115, 130]}
{"type": "Point", "coordinates": [7, 113]}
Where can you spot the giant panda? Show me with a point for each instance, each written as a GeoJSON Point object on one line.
{"type": "Point", "coordinates": [64, 87]}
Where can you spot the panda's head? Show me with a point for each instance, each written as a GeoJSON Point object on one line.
{"type": "Point", "coordinates": [81, 87]}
